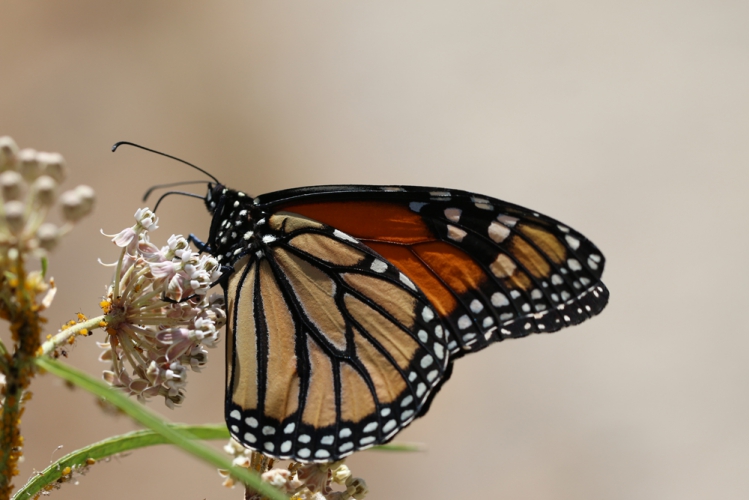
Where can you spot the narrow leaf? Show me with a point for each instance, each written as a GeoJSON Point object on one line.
{"type": "Point", "coordinates": [156, 423]}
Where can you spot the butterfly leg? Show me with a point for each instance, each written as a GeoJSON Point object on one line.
{"type": "Point", "coordinates": [200, 245]}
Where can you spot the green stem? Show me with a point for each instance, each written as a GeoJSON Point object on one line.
{"type": "Point", "coordinates": [149, 419]}
{"type": "Point", "coordinates": [80, 459]}
{"type": "Point", "coordinates": [62, 337]}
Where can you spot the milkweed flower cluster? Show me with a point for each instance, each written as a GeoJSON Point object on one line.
{"type": "Point", "coordinates": [301, 481]}
{"type": "Point", "coordinates": [159, 316]}
{"type": "Point", "coordinates": [29, 184]}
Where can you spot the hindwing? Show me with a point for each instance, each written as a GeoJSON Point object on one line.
{"type": "Point", "coordinates": [330, 347]}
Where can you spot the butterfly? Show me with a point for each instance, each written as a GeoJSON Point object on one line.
{"type": "Point", "coordinates": [348, 305]}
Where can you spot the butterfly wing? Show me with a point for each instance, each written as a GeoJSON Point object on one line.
{"type": "Point", "coordinates": [331, 349]}
{"type": "Point", "coordinates": [491, 269]}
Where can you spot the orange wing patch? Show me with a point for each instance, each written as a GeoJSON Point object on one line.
{"type": "Point", "coordinates": [368, 220]}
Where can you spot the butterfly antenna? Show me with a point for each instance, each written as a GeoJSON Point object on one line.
{"type": "Point", "coordinates": [118, 144]}
{"type": "Point", "coordinates": [171, 184]}
{"type": "Point", "coordinates": [183, 193]}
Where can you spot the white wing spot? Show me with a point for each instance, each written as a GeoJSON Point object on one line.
{"type": "Point", "coordinates": [412, 376]}
{"type": "Point", "coordinates": [439, 351]}
{"type": "Point", "coordinates": [499, 300]}
{"type": "Point", "coordinates": [269, 238]}
{"type": "Point", "coordinates": [595, 257]}
{"type": "Point", "coordinates": [464, 322]}
{"type": "Point", "coordinates": [289, 428]}
{"type": "Point", "coordinates": [248, 235]}
{"type": "Point", "coordinates": [269, 446]}
{"type": "Point", "coordinates": [476, 306]}
{"type": "Point", "coordinates": [438, 331]}
{"type": "Point", "coordinates": [249, 438]}
{"type": "Point", "coordinates": [455, 233]}
{"type": "Point", "coordinates": [268, 430]}
{"type": "Point", "coordinates": [304, 438]}
{"type": "Point", "coordinates": [416, 206]}
{"type": "Point", "coordinates": [468, 337]}
{"type": "Point", "coordinates": [453, 214]}
{"type": "Point", "coordinates": [407, 401]}
{"type": "Point", "coordinates": [427, 314]}
{"type": "Point", "coordinates": [251, 421]}
{"type": "Point", "coordinates": [370, 427]}
{"type": "Point", "coordinates": [385, 412]}
{"type": "Point", "coordinates": [345, 432]}
{"type": "Point", "coordinates": [303, 453]}
{"type": "Point", "coordinates": [285, 446]}
{"type": "Point", "coordinates": [390, 425]}
{"type": "Point", "coordinates": [503, 266]}
{"type": "Point", "coordinates": [573, 242]}
{"type": "Point", "coordinates": [505, 316]}
{"type": "Point", "coordinates": [526, 308]}
{"type": "Point", "coordinates": [423, 336]}
{"type": "Point", "coordinates": [507, 220]}
{"type": "Point", "coordinates": [556, 279]}
{"type": "Point", "coordinates": [327, 440]}
{"type": "Point", "coordinates": [404, 279]}
{"type": "Point", "coordinates": [488, 321]}
{"type": "Point", "coordinates": [426, 361]}
{"type": "Point", "coordinates": [344, 236]}
{"type": "Point", "coordinates": [346, 446]}
{"type": "Point", "coordinates": [574, 264]}
{"type": "Point", "coordinates": [420, 389]}
{"type": "Point", "coordinates": [235, 415]}
{"type": "Point", "coordinates": [514, 294]}
{"type": "Point", "coordinates": [498, 232]}
{"type": "Point", "coordinates": [406, 414]}
{"type": "Point", "coordinates": [536, 294]}
{"type": "Point", "coordinates": [378, 266]}
{"type": "Point", "coordinates": [432, 375]}
{"type": "Point", "coordinates": [367, 440]}
{"type": "Point", "coordinates": [322, 454]}
{"type": "Point", "coordinates": [592, 264]}
{"type": "Point", "coordinates": [235, 428]}
{"type": "Point", "coordinates": [439, 194]}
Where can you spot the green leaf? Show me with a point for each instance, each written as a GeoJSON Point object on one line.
{"type": "Point", "coordinates": [154, 422]}
{"type": "Point", "coordinates": [112, 446]}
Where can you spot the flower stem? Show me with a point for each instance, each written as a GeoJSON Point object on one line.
{"type": "Point", "coordinates": [25, 326]}
{"type": "Point", "coordinates": [62, 337]}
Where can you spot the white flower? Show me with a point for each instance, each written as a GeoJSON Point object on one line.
{"type": "Point", "coordinates": [158, 314]}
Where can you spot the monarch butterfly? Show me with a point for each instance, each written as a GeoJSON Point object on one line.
{"type": "Point", "coordinates": [347, 305]}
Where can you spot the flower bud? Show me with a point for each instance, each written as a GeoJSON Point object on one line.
{"type": "Point", "coordinates": [28, 164]}
{"type": "Point", "coordinates": [53, 165]}
{"type": "Point", "coordinates": [87, 197]}
{"type": "Point", "coordinates": [48, 236]}
{"type": "Point", "coordinates": [77, 203]}
{"type": "Point", "coordinates": [8, 152]}
{"type": "Point", "coordinates": [45, 188]}
{"type": "Point", "coordinates": [14, 216]}
{"type": "Point", "coordinates": [11, 184]}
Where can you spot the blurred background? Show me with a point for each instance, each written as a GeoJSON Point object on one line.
{"type": "Point", "coordinates": [627, 120]}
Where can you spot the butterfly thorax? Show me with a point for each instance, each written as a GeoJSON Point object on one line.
{"type": "Point", "coordinates": [238, 225]}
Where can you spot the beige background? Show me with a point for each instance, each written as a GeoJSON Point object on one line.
{"type": "Point", "coordinates": [626, 119]}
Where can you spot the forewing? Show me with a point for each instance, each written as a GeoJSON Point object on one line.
{"type": "Point", "coordinates": [491, 269]}
{"type": "Point", "coordinates": [331, 349]}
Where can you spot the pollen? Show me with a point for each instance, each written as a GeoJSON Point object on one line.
{"type": "Point", "coordinates": [81, 317]}
{"type": "Point", "coordinates": [106, 306]}
{"type": "Point", "coordinates": [102, 324]}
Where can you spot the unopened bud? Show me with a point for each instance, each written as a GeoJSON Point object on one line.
{"type": "Point", "coordinates": [11, 184]}
{"type": "Point", "coordinates": [48, 235]}
{"type": "Point", "coordinates": [44, 190]}
{"type": "Point", "coordinates": [71, 206]}
{"type": "Point", "coordinates": [14, 216]}
{"type": "Point", "coordinates": [28, 164]}
{"type": "Point", "coordinates": [52, 164]}
{"type": "Point", "coordinates": [87, 197]}
{"type": "Point", "coordinates": [8, 152]}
